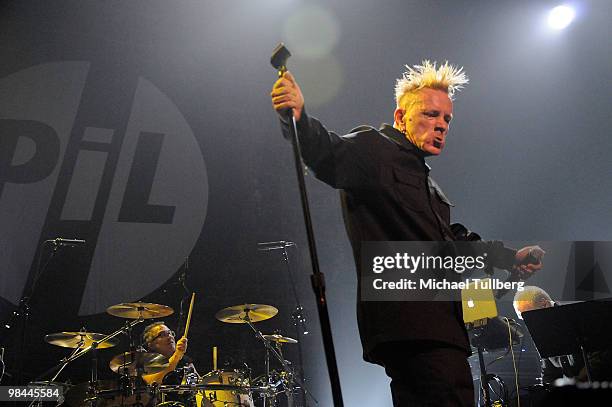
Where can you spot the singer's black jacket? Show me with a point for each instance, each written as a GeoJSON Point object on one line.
{"type": "Point", "coordinates": [387, 195]}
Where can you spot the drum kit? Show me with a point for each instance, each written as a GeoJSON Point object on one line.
{"type": "Point", "coordinates": [217, 388]}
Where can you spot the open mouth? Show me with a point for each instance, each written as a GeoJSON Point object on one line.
{"type": "Point", "coordinates": [437, 144]}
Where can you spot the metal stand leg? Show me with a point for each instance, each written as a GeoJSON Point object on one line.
{"type": "Point", "coordinates": [484, 381]}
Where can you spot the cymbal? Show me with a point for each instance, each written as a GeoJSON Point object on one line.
{"type": "Point", "coordinates": [279, 338]}
{"type": "Point", "coordinates": [135, 310]}
{"type": "Point", "coordinates": [237, 314]}
{"type": "Point", "coordinates": [74, 339]}
{"type": "Point", "coordinates": [148, 361]}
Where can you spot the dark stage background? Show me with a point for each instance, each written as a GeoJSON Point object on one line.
{"type": "Point", "coordinates": [145, 127]}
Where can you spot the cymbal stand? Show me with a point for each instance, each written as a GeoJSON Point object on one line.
{"type": "Point", "coordinates": [93, 383]}
{"type": "Point", "coordinates": [299, 321]}
{"type": "Point", "coordinates": [268, 400]}
{"type": "Point", "coordinates": [93, 348]}
{"type": "Point", "coordinates": [297, 316]}
{"type": "Point", "coordinates": [79, 346]}
{"type": "Point", "coordinates": [288, 381]}
{"type": "Point", "coordinates": [278, 357]}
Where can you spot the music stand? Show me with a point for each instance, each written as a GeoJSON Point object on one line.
{"type": "Point", "coordinates": [567, 329]}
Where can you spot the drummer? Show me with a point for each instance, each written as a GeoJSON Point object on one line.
{"type": "Point", "coordinates": [157, 337]}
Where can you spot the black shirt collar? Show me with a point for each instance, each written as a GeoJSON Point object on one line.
{"type": "Point", "coordinates": [400, 139]}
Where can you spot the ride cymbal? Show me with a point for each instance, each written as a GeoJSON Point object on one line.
{"type": "Point", "coordinates": [239, 314]}
{"type": "Point", "coordinates": [136, 310]}
{"type": "Point", "coordinates": [82, 339]}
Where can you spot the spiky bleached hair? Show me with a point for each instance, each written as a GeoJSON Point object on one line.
{"type": "Point", "coordinates": [447, 77]}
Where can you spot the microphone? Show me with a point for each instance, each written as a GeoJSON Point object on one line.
{"type": "Point", "coordinates": [267, 246]}
{"type": "Point", "coordinates": [60, 241]}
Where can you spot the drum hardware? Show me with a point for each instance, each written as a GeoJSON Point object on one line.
{"type": "Point", "coordinates": [138, 363]}
{"type": "Point", "coordinates": [139, 310]}
{"type": "Point", "coordinates": [246, 313]}
{"type": "Point", "coordinates": [23, 308]}
{"type": "Point", "coordinates": [79, 339]}
{"type": "Point", "coordinates": [170, 404]}
{"type": "Point", "coordinates": [86, 343]}
{"type": "Point", "coordinates": [127, 389]}
{"type": "Point", "coordinates": [279, 338]}
{"type": "Point", "coordinates": [217, 388]}
{"type": "Point", "coordinates": [212, 394]}
{"type": "Point", "coordinates": [69, 340]}
{"type": "Point", "coordinates": [242, 314]}
{"type": "Point", "coordinates": [111, 393]}
{"type": "Point", "coordinates": [64, 389]}
{"type": "Point", "coordinates": [298, 316]}
{"type": "Point", "coordinates": [82, 342]}
{"type": "Point", "coordinates": [235, 390]}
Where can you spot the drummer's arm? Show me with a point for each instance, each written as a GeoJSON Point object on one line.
{"type": "Point", "coordinates": [181, 348]}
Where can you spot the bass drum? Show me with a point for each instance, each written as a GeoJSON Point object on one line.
{"type": "Point", "coordinates": [225, 398]}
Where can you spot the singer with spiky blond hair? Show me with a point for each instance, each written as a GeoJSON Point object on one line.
{"type": "Point", "coordinates": [387, 194]}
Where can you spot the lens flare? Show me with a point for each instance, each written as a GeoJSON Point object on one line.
{"type": "Point", "coordinates": [560, 17]}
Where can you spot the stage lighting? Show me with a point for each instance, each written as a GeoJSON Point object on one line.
{"type": "Point", "coordinates": [560, 17]}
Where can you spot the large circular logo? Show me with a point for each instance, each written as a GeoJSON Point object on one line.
{"type": "Point", "coordinates": [139, 187]}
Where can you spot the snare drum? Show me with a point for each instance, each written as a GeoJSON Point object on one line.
{"type": "Point", "coordinates": [223, 398]}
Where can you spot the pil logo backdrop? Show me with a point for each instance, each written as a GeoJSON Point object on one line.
{"type": "Point", "coordinates": [129, 177]}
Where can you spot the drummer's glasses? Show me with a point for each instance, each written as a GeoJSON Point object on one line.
{"type": "Point", "coordinates": [164, 334]}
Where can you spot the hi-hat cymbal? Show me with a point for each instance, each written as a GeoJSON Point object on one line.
{"type": "Point", "coordinates": [82, 339]}
{"type": "Point", "coordinates": [237, 314]}
{"type": "Point", "coordinates": [279, 338]}
{"type": "Point", "coordinates": [135, 310]}
{"type": "Point", "coordinates": [133, 361]}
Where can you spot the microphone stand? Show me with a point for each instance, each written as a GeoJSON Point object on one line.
{"type": "Point", "coordinates": [279, 61]}
{"type": "Point", "coordinates": [23, 309]}
{"type": "Point", "coordinates": [187, 294]}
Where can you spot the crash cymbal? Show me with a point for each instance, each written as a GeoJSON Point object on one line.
{"type": "Point", "coordinates": [84, 339]}
{"type": "Point", "coordinates": [132, 361]}
{"type": "Point", "coordinates": [237, 314]}
{"type": "Point", "coordinates": [135, 310]}
{"type": "Point", "coordinates": [279, 338]}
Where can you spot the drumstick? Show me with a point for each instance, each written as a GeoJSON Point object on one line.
{"type": "Point", "coordinates": [214, 358]}
{"type": "Point", "coordinates": [189, 315]}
